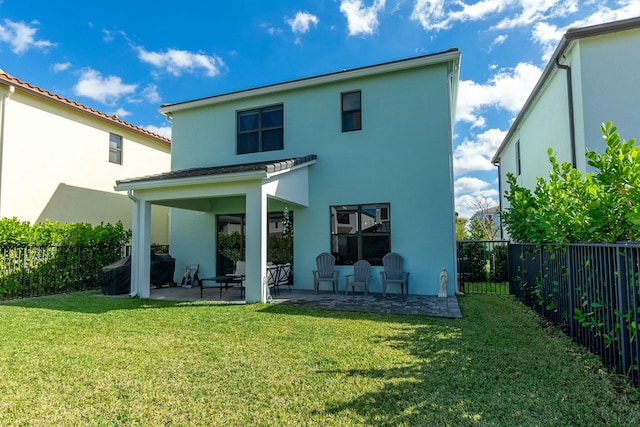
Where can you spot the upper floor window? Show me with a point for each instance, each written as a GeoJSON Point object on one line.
{"type": "Point", "coordinates": [261, 129]}
{"type": "Point", "coordinates": [115, 149]}
{"type": "Point", "coordinates": [351, 111]}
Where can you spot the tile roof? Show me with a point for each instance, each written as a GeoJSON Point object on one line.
{"type": "Point", "coordinates": [35, 90]}
{"type": "Point", "coordinates": [269, 166]}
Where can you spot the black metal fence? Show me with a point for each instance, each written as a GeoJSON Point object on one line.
{"type": "Point", "coordinates": [592, 291]}
{"type": "Point", "coordinates": [483, 266]}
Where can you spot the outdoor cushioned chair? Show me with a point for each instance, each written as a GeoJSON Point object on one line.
{"type": "Point", "coordinates": [325, 271]}
{"type": "Point", "coordinates": [272, 277]}
{"type": "Point", "coordinates": [283, 276]}
{"type": "Point", "coordinates": [360, 277]}
{"type": "Point", "coordinates": [393, 273]}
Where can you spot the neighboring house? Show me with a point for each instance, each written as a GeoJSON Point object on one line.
{"type": "Point", "coordinates": [592, 78]}
{"type": "Point", "coordinates": [360, 159]}
{"type": "Point", "coordinates": [59, 159]}
{"type": "Point", "coordinates": [490, 217]}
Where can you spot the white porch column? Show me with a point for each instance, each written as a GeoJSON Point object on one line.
{"type": "Point", "coordinates": [256, 249]}
{"type": "Point", "coordinates": [141, 249]}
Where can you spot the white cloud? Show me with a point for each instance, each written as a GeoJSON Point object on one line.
{"type": "Point", "coordinates": [432, 15]}
{"type": "Point", "coordinates": [20, 36]}
{"type": "Point", "coordinates": [476, 155]}
{"type": "Point", "coordinates": [507, 90]}
{"type": "Point", "coordinates": [151, 94]}
{"type": "Point", "coordinates": [498, 41]}
{"type": "Point", "coordinates": [160, 130]}
{"type": "Point", "coordinates": [178, 61]}
{"type": "Point", "coordinates": [362, 20]}
{"type": "Point", "coordinates": [549, 35]}
{"type": "Point", "coordinates": [302, 22]}
{"type": "Point", "coordinates": [61, 66]}
{"type": "Point", "coordinates": [103, 89]}
{"type": "Point", "coordinates": [120, 113]}
{"type": "Point", "coordinates": [535, 10]}
{"type": "Point", "coordinates": [470, 185]}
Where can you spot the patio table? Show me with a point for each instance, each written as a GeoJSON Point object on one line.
{"type": "Point", "coordinates": [223, 282]}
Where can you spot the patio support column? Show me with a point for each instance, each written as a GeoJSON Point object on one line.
{"type": "Point", "coordinates": [256, 250]}
{"type": "Point", "coordinates": [141, 249]}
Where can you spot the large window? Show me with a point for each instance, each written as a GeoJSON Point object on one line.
{"type": "Point", "coordinates": [232, 240]}
{"type": "Point", "coordinates": [360, 232]}
{"type": "Point", "coordinates": [261, 129]}
{"type": "Point", "coordinates": [351, 111]}
{"type": "Point", "coordinates": [115, 149]}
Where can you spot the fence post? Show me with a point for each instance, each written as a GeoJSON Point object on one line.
{"type": "Point", "coordinates": [24, 270]}
{"type": "Point", "coordinates": [571, 292]}
{"type": "Point", "coordinates": [623, 300]}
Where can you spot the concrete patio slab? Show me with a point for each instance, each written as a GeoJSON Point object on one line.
{"type": "Point", "coordinates": [372, 303]}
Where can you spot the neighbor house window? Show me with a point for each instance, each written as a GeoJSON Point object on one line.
{"type": "Point", "coordinates": [261, 129]}
{"type": "Point", "coordinates": [351, 111]}
{"type": "Point", "coordinates": [360, 232]}
{"type": "Point", "coordinates": [518, 167]}
{"type": "Point", "coordinates": [115, 149]}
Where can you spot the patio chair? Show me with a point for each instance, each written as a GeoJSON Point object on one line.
{"type": "Point", "coordinates": [325, 271]}
{"type": "Point", "coordinates": [190, 276]}
{"type": "Point", "coordinates": [360, 277]}
{"type": "Point", "coordinates": [272, 277]}
{"type": "Point", "coordinates": [393, 273]}
{"type": "Point", "coordinates": [283, 276]}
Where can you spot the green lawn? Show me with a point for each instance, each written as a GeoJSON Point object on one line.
{"type": "Point", "coordinates": [85, 359]}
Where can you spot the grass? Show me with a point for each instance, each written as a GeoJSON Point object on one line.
{"type": "Point", "coordinates": [84, 359]}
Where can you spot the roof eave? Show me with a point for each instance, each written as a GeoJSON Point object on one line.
{"type": "Point", "coordinates": [193, 180]}
{"type": "Point", "coordinates": [447, 56]}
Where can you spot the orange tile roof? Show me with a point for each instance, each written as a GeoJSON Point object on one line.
{"type": "Point", "coordinates": [35, 90]}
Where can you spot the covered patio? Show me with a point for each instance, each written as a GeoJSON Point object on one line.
{"type": "Point", "coordinates": [210, 190]}
{"type": "Point", "coordinates": [423, 305]}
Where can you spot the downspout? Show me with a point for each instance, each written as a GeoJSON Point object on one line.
{"type": "Point", "coordinates": [500, 202]}
{"type": "Point", "coordinates": [572, 132]}
{"type": "Point", "coordinates": [3, 99]}
{"type": "Point", "coordinates": [133, 292]}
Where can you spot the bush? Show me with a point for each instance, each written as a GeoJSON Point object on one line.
{"type": "Point", "coordinates": [574, 207]}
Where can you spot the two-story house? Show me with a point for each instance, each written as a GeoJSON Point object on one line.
{"type": "Point", "coordinates": [592, 78]}
{"type": "Point", "coordinates": [357, 163]}
{"type": "Point", "coordinates": [59, 159]}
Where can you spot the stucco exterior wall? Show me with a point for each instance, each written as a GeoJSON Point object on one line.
{"type": "Point", "coordinates": [610, 66]}
{"type": "Point", "coordinates": [56, 166]}
{"type": "Point", "coordinates": [402, 156]}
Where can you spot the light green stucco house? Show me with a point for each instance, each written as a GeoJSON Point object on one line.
{"type": "Point", "coordinates": [357, 163]}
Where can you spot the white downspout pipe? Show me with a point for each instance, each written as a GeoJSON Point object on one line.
{"type": "Point", "coordinates": [3, 99]}
{"type": "Point", "coordinates": [133, 292]}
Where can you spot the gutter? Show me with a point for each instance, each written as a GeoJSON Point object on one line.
{"type": "Point", "coordinates": [3, 98]}
{"type": "Point", "coordinates": [133, 292]}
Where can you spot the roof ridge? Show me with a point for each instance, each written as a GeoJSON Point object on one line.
{"type": "Point", "coordinates": [12, 80]}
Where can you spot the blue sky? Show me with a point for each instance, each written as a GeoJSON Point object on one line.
{"type": "Point", "coordinates": [129, 57]}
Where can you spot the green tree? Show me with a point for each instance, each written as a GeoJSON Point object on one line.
{"type": "Point", "coordinates": [461, 228]}
{"type": "Point", "coordinates": [571, 206]}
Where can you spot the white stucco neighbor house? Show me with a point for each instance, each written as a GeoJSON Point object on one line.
{"type": "Point", "coordinates": [357, 163]}
{"type": "Point", "coordinates": [59, 159]}
{"type": "Point", "coordinates": [592, 78]}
